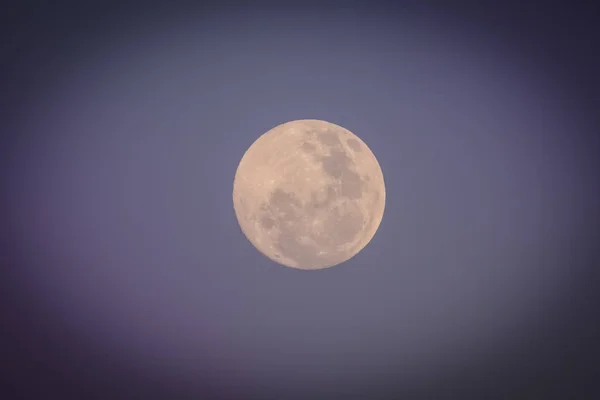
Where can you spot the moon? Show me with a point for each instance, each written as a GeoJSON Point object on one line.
{"type": "Point", "coordinates": [309, 194]}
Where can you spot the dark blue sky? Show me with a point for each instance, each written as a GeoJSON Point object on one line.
{"type": "Point", "coordinates": [120, 184]}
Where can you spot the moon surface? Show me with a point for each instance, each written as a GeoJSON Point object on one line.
{"type": "Point", "coordinates": [309, 194]}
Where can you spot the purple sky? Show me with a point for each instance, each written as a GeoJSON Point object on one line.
{"type": "Point", "coordinates": [121, 195]}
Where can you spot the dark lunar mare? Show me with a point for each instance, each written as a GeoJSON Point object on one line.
{"type": "Point", "coordinates": [354, 145]}
{"type": "Point", "coordinates": [338, 165]}
{"type": "Point", "coordinates": [289, 215]}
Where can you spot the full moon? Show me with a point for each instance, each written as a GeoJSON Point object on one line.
{"type": "Point", "coordinates": [309, 194]}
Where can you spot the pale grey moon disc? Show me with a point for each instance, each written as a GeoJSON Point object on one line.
{"type": "Point", "coordinates": [309, 194]}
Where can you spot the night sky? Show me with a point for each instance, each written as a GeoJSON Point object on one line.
{"type": "Point", "coordinates": [125, 273]}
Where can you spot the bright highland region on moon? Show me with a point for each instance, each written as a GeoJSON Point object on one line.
{"type": "Point", "coordinates": [309, 194]}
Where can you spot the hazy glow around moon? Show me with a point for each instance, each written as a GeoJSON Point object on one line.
{"type": "Point", "coordinates": [309, 194]}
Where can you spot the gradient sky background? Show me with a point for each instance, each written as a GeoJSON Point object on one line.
{"type": "Point", "coordinates": [128, 274]}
